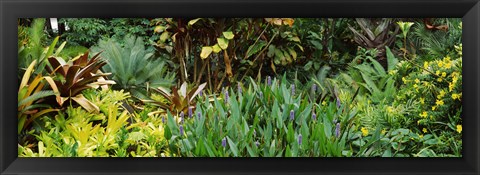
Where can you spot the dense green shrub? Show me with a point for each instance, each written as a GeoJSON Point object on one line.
{"type": "Point", "coordinates": [133, 67]}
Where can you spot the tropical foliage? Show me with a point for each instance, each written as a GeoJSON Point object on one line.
{"type": "Point", "coordinates": [241, 87]}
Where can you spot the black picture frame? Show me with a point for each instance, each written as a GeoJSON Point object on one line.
{"type": "Point", "coordinates": [11, 10]}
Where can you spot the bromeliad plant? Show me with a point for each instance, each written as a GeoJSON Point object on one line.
{"type": "Point", "coordinates": [178, 100]}
{"type": "Point", "coordinates": [73, 77]}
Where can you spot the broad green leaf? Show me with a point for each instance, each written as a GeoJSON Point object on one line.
{"type": "Point", "coordinates": [223, 43]}
{"type": "Point", "coordinates": [308, 66]}
{"type": "Point", "coordinates": [391, 59]}
{"type": "Point", "coordinates": [271, 50]}
{"type": "Point", "coordinates": [233, 147]}
{"type": "Point", "coordinates": [228, 34]}
{"type": "Point", "coordinates": [216, 48]}
{"type": "Point", "coordinates": [253, 49]}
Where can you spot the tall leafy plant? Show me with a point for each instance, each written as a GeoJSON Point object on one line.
{"type": "Point", "coordinates": [31, 48]}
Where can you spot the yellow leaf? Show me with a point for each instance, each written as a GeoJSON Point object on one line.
{"type": "Point", "coordinates": [288, 21]}
{"type": "Point", "coordinates": [206, 51]}
{"type": "Point", "coordinates": [89, 106]}
{"type": "Point", "coordinates": [193, 21]}
{"type": "Point", "coordinates": [27, 74]}
{"type": "Point", "coordinates": [54, 88]}
{"type": "Point", "coordinates": [216, 48]}
{"type": "Point", "coordinates": [229, 35]}
{"type": "Point", "coordinates": [159, 29]}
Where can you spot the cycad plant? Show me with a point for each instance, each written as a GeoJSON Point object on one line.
{"type": "Point", "coordinates": [132, 66]}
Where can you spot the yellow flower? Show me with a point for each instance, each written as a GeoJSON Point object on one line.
{"type": "Point", "coordinates": [364, 131]}
{"type": "Point", "coordinates": [424, 114]}
{"type": "Point", "coordinates": [392, 72]}
{"type": "Point", "coordinates": [425, 64]}
{"type": "Point", "coordinates": [439, 102]}
{"type": "Point", "coordinates": [448, 65]}
{"type": "Point", "coordinates": [324, 103]}
{"type": "Point", "coordinates": [421, 136]}
{"type": "Point", "coordinates": [384, 131]}
{"type": "Point", "coordinates": [389, 109]}
{"type": "Point", "coordinates": [415, 86]}
{"type": "Point", "coordinates": [459, 128]}
{"type": "Point", "coordinates": [440, 64]}
{"type": "Point", "coordinates": [454, 77]}
{"type": "Point", "coordinates": [438, 72]}
{"type": "Point", "coordinates": [439, 79]}
{"type": "Point", "coordinates": [447, 58]}
{"type": "Point", "coordinates": [422, 100]}
{"type": "Point", "coordinates": [417, 80]}
{"type": "Point", "coordinates": [441, 95]}
{"type": "Point", "coordinates": [455, 96]}
{"type": "Point", "coordinates": [444, 74]}
{"type": "Point", "coordinates": [424, 130]}
{"type": "Point", "coordinates": [404, 80]}
{"type": "Point", "coordinates": [451, 86]}
{"type": "Point", "coordinates": [434, 107]}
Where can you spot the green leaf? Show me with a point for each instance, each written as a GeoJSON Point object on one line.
{"type": "Point", "coordinates": [391, 59]}
{"type": "Point", "coordinates": [216, 48]}
{"type": "Point", "coordinates": [206, 51]}
{"type": "Point", "coordinates": [50, 49]}
{"type": "Point", "coordinates": [378, 66]}
{"type": "Point", "coordinates": [233, 147]}
{"type": "Point", "coordinates": [228, 34]}
{"type": "Point", "coordinates": [253, 49]}
{"type": "Point", "coordinates": [223, 43]}
{"type": "Point", "coordinates": [308, 66]}
{"type": "Point", "coordinates": [136, 136]}
{"type": "Point", "coordinates": [60, 48]}
{"type": "Point", "coordinates": [167, 133]}
{"type": "Point", "coordinates": [293, 53]}
{"type": "Point", "coordinates": [290, 133]}
{"type": "Point", "coordinates": [271, 50]}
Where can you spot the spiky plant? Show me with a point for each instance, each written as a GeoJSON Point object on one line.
{"type": "Point", "coordinates": [132, 66]}
{"type": "Point", "coordinates": [30, 95]}
{"type": "Point", "coordinates": [375, 34]}
{"type": "Point", "coordinates": [79, 74]}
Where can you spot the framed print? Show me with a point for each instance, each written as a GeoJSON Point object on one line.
{"type": "Point", "coordinates": [242, 87]}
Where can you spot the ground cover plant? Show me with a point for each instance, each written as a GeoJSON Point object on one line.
{"type": "Point", "coordinates": [240, 87]}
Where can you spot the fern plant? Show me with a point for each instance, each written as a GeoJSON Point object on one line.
{"type": "Point", "coordinates": [438, 43]}
{"type": "Point", "coordinates": [132, 66]}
